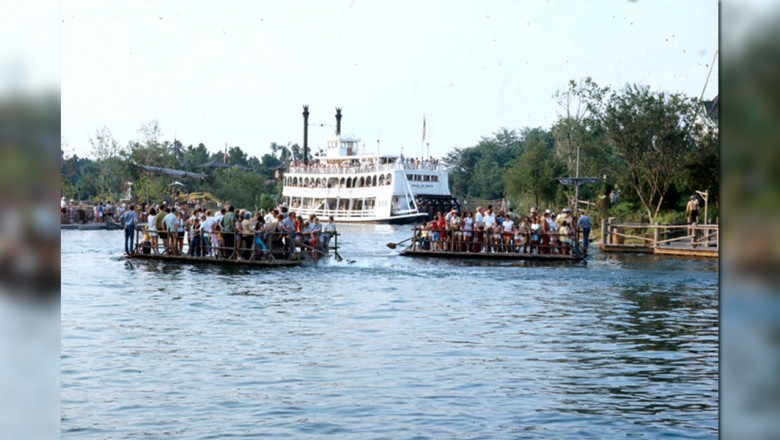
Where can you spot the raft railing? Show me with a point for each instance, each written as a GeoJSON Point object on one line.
{"type": "Point", "coordinates": [244, 247]}
{"type": "Point", "coordinates": [494, 242]}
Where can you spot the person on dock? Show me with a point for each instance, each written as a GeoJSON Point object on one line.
{"type": "Point", "coordinates": [692, 214]}
{"type": "Point", "coordinates": [584, 223]}
{"type": "Point", "coordinates": [128, 220]}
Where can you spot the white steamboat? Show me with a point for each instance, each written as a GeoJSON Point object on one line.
{"type": "Point", "coordinates": [365, 188]}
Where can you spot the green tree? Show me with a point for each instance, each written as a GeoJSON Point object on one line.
{"type": "Point", "coordinates": [700, 170]}
{"type": "Point", "coordinates": [476, 171]}
{"type": "Point", "coordinates": [576, 130]}
{"type": "Point", "coordinates": [110, 170]}
{"type": "Point", "coordinates": [534, 174]}
{"type": "Point", "coordinates": [243, 189]}
{"type": "Point", "coordinates": [654, 133]}
{"type": "Point", "coordinates": [236, 156]}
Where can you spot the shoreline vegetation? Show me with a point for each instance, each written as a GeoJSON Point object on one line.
{"type": "Point", "coordinates": [649, 152]}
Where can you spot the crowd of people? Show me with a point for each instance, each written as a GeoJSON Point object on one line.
{"type": "Point", "coordinates": [226, 233]}
{"type": "Point", "coordinates": [364, 164]}
{"type": "Point", "coordinates": [81, 212]}
{"type": "Point", "coordinates": [486, 231]}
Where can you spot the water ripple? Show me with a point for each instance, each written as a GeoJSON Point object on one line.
{"type": "Point", "coordinates": [387, 347]}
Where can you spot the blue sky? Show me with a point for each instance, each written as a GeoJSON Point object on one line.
{"type": "Point", "coordinates": [238, 72]}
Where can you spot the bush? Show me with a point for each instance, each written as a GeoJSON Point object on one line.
{"type": "Point", "coordinates": [626, 212]}
{"type": "Point", "coordinates": [671, 217]}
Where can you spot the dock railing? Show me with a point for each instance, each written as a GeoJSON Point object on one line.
{"type": "Point", "coordinates": [648, 237]}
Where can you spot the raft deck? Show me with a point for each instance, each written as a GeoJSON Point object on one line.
{"type": "Point", "coordinates": [409, 252]}
{"type": "Point", "coordinates": [217, 261]}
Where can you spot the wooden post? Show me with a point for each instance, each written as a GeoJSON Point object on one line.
{"type": "Point", "coordinates": [656, 234]}
{"type": "Point", "coordinates": [604, 232]}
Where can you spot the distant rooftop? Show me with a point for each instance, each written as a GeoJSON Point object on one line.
{"type": "Point", "coordinates": [218, 164]}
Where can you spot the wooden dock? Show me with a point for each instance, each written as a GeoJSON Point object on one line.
{"type": "Point", "coordinates": [700, 241]}
{"type": "Point", "coordinates": [92, 226]}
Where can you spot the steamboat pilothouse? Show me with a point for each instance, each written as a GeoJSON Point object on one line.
{"type": "Point", "coordinates": [364, 188]}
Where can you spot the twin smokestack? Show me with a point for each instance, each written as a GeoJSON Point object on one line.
{"type": "Point", "coordinates": [306, 131]}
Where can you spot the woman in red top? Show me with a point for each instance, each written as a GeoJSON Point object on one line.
{"type": "Point", "coordinates": [433, 226]}
{"type": "Point", "coordinates": [442, 225]}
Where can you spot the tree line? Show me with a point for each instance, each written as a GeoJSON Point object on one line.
{"type": "Point", "coordinates": [230, 175]}
{"type": "Point", "coordinates": [654, 149]}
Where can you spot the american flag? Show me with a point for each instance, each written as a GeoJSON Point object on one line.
{"type": "Point", "coordinates": [423, 128]}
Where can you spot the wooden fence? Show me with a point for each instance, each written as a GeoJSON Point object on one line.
{"type": "Point", "coordinates": [693, 240]}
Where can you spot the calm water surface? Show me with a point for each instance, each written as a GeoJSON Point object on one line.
{"type": "Point", "coordinates": [383, 346]}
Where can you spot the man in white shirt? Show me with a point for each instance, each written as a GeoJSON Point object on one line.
{"type": "Point", "coordinates": [271, 216]}
{"type": "Point", "coordinates": [327, 233]}
{"type": "Point", "coordinates": [507, 234]}
{"type": "Point", "coordinates": [489, 220]}
{"type": "Point", "coordinates": [170, 226]}
{"type": "Point", "coordinates": [448, 228]}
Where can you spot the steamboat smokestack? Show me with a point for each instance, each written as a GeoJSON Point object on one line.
{"type": "Point", "coordinates": [338, 121]}
{"type": "Point", "coordinates": [305, 134]}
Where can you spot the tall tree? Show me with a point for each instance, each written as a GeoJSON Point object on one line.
{"type": "Point", "coordinates": [654, 133]}
{"type": "Point", "coordinates": [105, 149]}
{"type": "Point", "coordinates": [574, 132]}
{"type": "Point", "coordinates": [236, 156]}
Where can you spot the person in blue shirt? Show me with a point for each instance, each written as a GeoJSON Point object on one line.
{"type": "Point", "coordinates": [584, 223]}
{"type": "Point", "coordinates": [128, 221]}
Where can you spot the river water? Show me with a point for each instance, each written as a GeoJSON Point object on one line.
{"type": "Point", "coordinates": [384, 346]}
